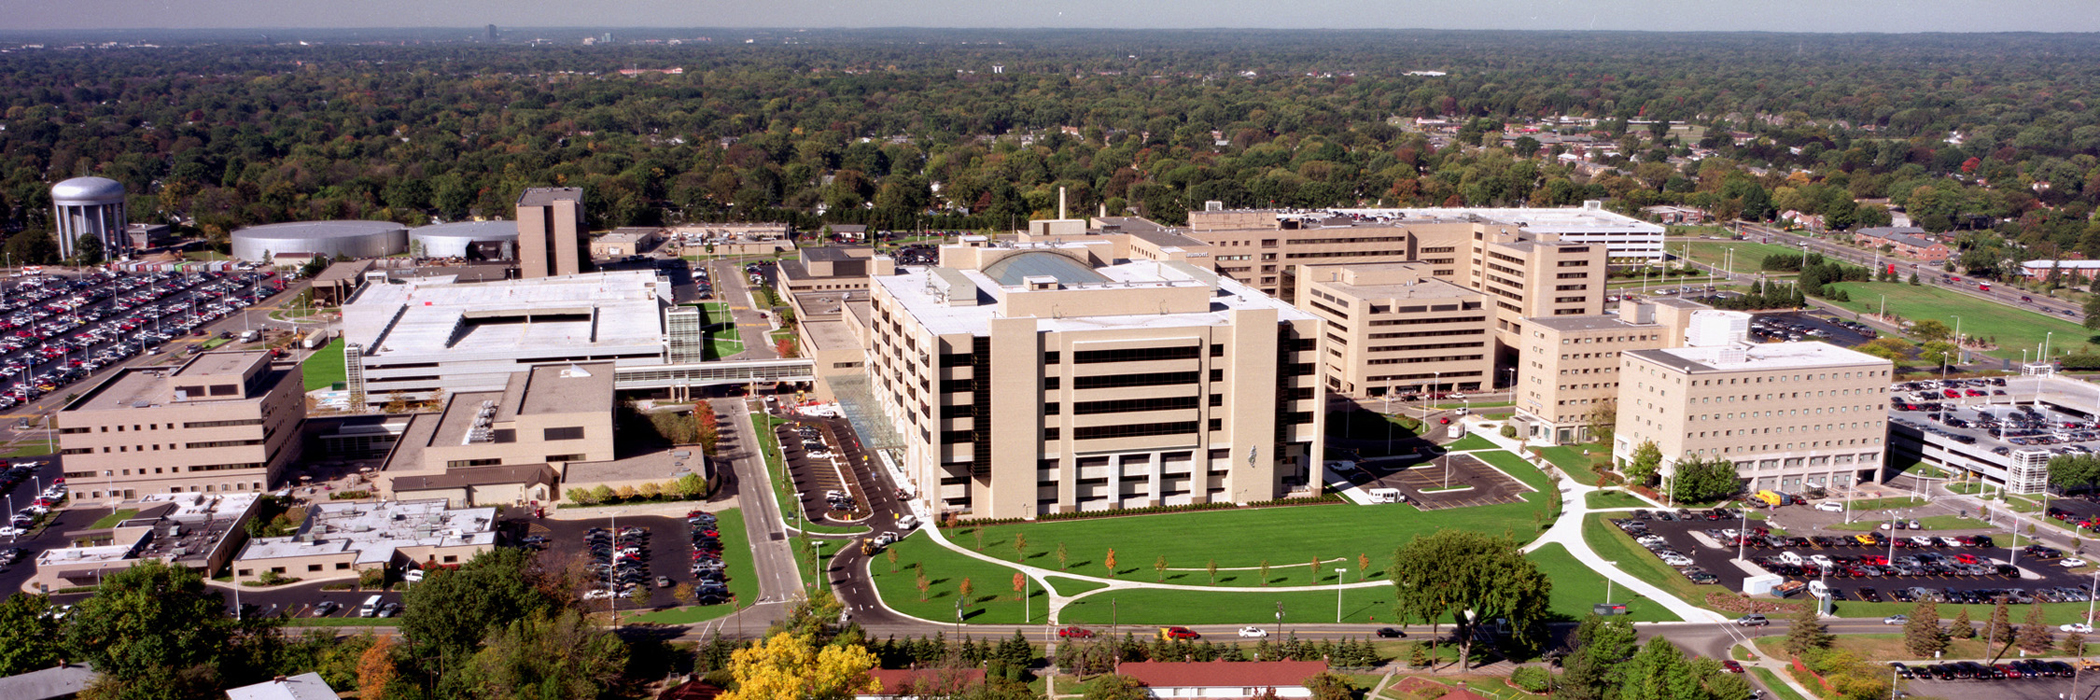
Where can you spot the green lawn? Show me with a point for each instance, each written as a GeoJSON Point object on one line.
{"type": "Point", "coordinates": [992, 598]}
{"type": "Point", "coordinates": [1748, 255]}
{"type": "Point", "coordinates": [1470, 442]}
{"type": "Point", "coordinates": [1888, 503]}
{"type": "Point", "coordinates": [736, 561]}
{"type": "Point", "coordinates": [112, 519]}
{"type": "Point", "coordinates": [1576, 587]}
{"type": "Point", "coordinates": [35, 448]}
{"type": "Point", "coordinates": [1516, 467]}
{"type": "Point", "coordinates": [783, 483]}
{"type": "Point", "coordinates": [324, 368]}
{"type": "Point", "coordinates": [1779, 687]}
{"type": "Point", "coordinates": [2014, 329]}
{"type": "Point", "coordinates": [832, 529]}
{"type": "Point", "coordinates": [1614, 499]}
{"type": "Point", "coordinates": [1576, 460]}
{"type": "Point", "coordinates": [1287, 537]}
{"type": "Point", "coordinates": [1931, 522]}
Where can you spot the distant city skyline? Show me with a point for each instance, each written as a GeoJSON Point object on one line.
{"type": "Point", "coordinates": [1890, 16]}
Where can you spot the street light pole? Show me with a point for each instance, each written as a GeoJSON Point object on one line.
{"type": "Point", "coordinates": [1959, 353]}
{"type": "Point", "coordinates": [1607, 584]}
{"type": "Point", "coordinates": [1338, 571]}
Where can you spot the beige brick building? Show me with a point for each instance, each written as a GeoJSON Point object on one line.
{"type": "Point", "coordinates": [509, 446]}
{"type": "Point", "coordinates": [222, 421]}
{"type": "Point", "coordinates": [1790, 415]}
{"type": "Point", "coordinates": [1396, 326]}
{"type": "Point", "coordinates": [1040, 378]}
{"type": "Point", "coordinates": [552, 239]}
{"type": "Point", "coordinates": [1568, 366]}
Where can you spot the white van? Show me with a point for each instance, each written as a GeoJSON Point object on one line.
{"type": "Point", "coordinates": [370, 608]}
{"type": "Point", "coordinates": [1818, 589]}
{"type": "Point", "coordinates": [1793, 558]}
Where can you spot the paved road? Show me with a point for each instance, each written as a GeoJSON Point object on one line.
{"type": "Point", "coordinates": [753, 322]}
{"type": "Point", "coordinates": [1927, 273]}
{"type": "Point", "coordinates": [779, 578]}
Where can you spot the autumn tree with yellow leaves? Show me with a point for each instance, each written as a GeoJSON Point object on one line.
{"type": "Point", "coordinates": [787, 667]}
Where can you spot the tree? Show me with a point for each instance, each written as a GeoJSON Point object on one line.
{"type": "Point", "coordinates": [788, 666]}
{"type": "Point", "coordinates": [1701, 479]}
{"type": "Point", "coordinates": [785, 346]}
{"type": "Point", "coordinates": [1887, 347]}
{"type": "Point", "coordinates": [1807, 633]}
{"type": "Point", "coordinates": [1116, 687]}
{"type": "Point", "coordinates": [1999, 627]}
{"type": "Point", "coordinates": [29, 636]}
{"type": "Point", "coordinates": [563, 657]}
{"type": "Point", "coordinates": [87, 250]}
{"type": "Point", "coordinates": [1264, 572]}
{"type": "Point", "coordinates": [1646, 464]}
{"type": "Point", "coordinates": [375, 668]}
{"type": "Point", "coordinates": [1922, 635]}
{"type": "Point", "coordinates": [963, 590]}
{"type": "Point", "coordinates": [1602, 420]}
{"type": "Point", "coordinates": [1326, 685]}
{"type": "Point", "coordinates": [1021, 547]}
{"type": "Point", "coordinates": [2092, 312]}
{"type": "Point", "coordinates": [1159, 568]}
{"type": "Point", "coordinates": [891, 554]}
{"type": "Point", "coordinates": [450, 612]}
{"type": "Point", "coordinates": [1914, 279]}
{"type": "Point", "coordinates": [707, 427]}
{"type": "Point", "coordinates": [154, 631]}
{"type": "Point", "coordinates": [2035, 637]}
{"type": "Point", "coordinates": [2073, 644]}
{"type": "Point", "coordinates": [922, 583]}
{"type": "Point", "coordinates": [1062, 557]}
{"type": "Point", "coordinates": [1473, 578]}
{"type": "Point", "coordinates": [1110, 562]}
{"type": "Point", "coordinates": [638, 596]}
{"type": "Point", "coordinates": [1962, 627]}
{"type": "Point", "coordinates": [1930, 330]}
{"type": "Point", "coordinates": [32, 248]}
{"type": "Point", "coordinates": [1020, 585]}
{"type": "Point", "coordinates": [1212, 567]}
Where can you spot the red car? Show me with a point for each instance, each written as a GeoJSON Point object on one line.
{"type": "Point", "coordinates": [1178, 633]}
{"type": "Point", "coordinates": [1950, 393]}
{"type": "Point", "coordinates": [1075, 632]}
{"type": "Point", "coordinates": [1731, 666]}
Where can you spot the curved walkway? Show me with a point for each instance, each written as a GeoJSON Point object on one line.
{"type": "Point", "coordinates": [1566, 531]}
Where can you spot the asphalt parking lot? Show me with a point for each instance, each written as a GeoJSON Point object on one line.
{"type": "Point", "coordinates": [817, 476]}
{"type": "Point", "coordinates": [1782, 326]}
{"type": "Point", "coordinates": [1716, 557]}
{"type": "Point", "coordinates": [670, 549]}
{"type": "Point", "coordinates": [2003, 689]}
{"type": "Point", "coordinates": [1486, 485]}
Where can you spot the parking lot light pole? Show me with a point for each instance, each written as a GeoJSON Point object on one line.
{"type": "Point", "coordinates": [1338, 571]}
{"type": "Point", "coordinates": [1742, 535]}
{"type": "Point", "coordinates": [1607, 584]}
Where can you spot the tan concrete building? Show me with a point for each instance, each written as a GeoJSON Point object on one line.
{"type": "Point", "coordinates": [1790, 415]}
{"type": "Point", "coordinates": [552, 240]}
{"type": "Point", "coordinates": [1031, 379]}
{"type": "Point", "coordinates": [629, 240]}
{"type": "Point", "coordinates": [509, 446]}
{"type": "Point", "coordinates": [196, 530]}
{"type": "Point", "coordinates": [1397, 327]}
{"type": "Point", "coordinates": [831, 269]}
{"type": "Point", "coordinates": [340, 539]}
{"type": "Point", "coordinates": [1568, 366]}
{"type": "Point", "coordinates": [221, 421]}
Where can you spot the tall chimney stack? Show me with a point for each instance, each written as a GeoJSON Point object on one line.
{"type": "Point", "coordinates": [1060, 202]}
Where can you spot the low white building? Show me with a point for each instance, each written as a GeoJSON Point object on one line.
{"type": "Point", "coordinates": [1224, 680]}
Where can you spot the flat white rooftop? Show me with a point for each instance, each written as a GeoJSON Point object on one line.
{"type": "Point", "coordinates": [606, 310]}
{"type": "Point", "coordinates": [1759, 357]}
{"type": "Point", "coordinates": [375, 529]}
{"type": "Point", "coordinates": [911, 289]}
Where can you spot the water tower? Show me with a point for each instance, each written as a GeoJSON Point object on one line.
{"type": "Point", "coordinates": [92, 206]}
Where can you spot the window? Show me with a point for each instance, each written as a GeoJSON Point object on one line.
{"type": "Point", "coordinates": [1088, 357]}
{"type": "Point", "coordinates": [1172, 403]}
{"type": "Point", "coordinates": [1104, 432]}
{"type": "Point", "coordinates": [1110, 381]}
{"type": "Point", "coordinates": [571, 433]}
{"type": "Point", "coordinates": [451, 464]}
{"type": "Point", "coordinates": [566, 458]}
{"type": "Point", "coordinates": [221, 423]}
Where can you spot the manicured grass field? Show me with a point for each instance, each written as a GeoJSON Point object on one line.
{"type": "Point", "coordinates": [1516, 467]}
{"type": "Point", "coordinates": [1285, 536]}
{"type": "Point", "coordinates": [1888, 503]}
{"type": "Point", "coordinates": [1577, 587]}
{"type": "Point", "coordinates": [1614, 499]}
{"type": "Point", "coordinates": [1229, 606]}
{"type": "Point", "coordinates": [112, 519]}
{"type": "Point", "coordinates": [35, 448]}
{"type": "Point", "coordinates": [783, 484]}
{"type": "Point", "coordinates": [1575, 460]}
{"type": "Point", "coordinates": [992, 598]}
{"type": "Point", "coordinates": [1930, 522]}
{"type": "Point", "coordinates": [736, 561]}
{"type": "Point", "coordinates": [2014, 329]}
{"type": "Point", "coordinates": [324, 368]}
{"type": "Point", "coordinates": [1470, 442]}
{"type": "Point", "coordinates": [1779, 687]}
{"type": "Point", "coordinates": [1615, 546]}
{"type": "Point", "coordinates": [1749, 256]}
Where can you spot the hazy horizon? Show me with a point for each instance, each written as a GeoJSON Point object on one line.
{"type": "Point", "coordinates": [1787, 16]}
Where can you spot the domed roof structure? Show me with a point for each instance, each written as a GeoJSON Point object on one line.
{"type": "Point", "coordinates": [88, 190]}
{"type": "Point", "coordinates": [1011, 270]}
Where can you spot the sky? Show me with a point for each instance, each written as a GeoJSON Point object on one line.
{"type": "Point", "coordinates": [1889, 16]}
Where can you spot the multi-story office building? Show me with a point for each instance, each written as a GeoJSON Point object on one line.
{"type": "Point", "coordinates": [222, 421]}
{"type": "Point", "coordinates": [1568, 366]}
{"type": "Point", "coordinates": [1395, 326]}
{"type": "Point", "coordinates": [552, 240]}
{"type": "Point", "coordinates": [1039, 378]}
{"type": "Point", "coordinates": [1790, 415]}
{"type": "Point", "coordinates": [510, 445]}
